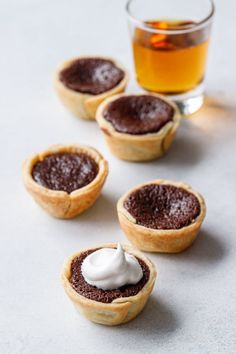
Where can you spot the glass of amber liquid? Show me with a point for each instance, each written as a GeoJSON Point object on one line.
{"type": "Point", "coordinates": [170, 43]}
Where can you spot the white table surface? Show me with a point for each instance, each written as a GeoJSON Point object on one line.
{"type": "Point", "coordinates": [192, 309]}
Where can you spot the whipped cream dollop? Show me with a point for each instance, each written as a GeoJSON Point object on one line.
{"type": "Point", "coordinates": [109, 268]}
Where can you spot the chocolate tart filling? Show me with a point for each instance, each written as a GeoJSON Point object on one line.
{"type": "Point", "coordinates": [65, 171]}
{"type": "Point", "coordinates": [91, 75]}
{"type": "Point", "coordinates": [139, 114]}
{"type": "Point", "coordinates": [162, 207]}
{"type": "Point", "coordinates": [107, 296]}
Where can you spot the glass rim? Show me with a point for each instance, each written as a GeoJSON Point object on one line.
{"type": "Point", "coordinates": [184, 29]}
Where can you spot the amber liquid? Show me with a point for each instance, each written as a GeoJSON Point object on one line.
{"type": "Point", "coordinates": [169, 63]}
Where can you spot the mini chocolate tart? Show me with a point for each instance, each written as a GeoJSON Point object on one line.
{"type": "Point", "coordinates": [65, 180]}
{"type": "Point", "coordinates": [83, 83]}
{"type": "Point", "coordinates": [161, 216]}
{"type": "Point", "coordinates": [138, 127]}
{"type": "Point", "coordinates": [108, 307]}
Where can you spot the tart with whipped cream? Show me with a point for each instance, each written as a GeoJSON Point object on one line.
{"type": "Point", "coordinates": [65, 180]}
{"type": "Point", "coordinates": [161, 216]}
{"type": "Point", "coordinates": [138, 127]}
{"type": "Point", "coordinates": [109, 284]}
{"type": "Point", "coordinates": [82, 83]}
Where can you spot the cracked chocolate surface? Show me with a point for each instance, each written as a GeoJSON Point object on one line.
{"type": "Point", "coordinates": [65, 171]}
{"type": "Point", "coordinates": [163, 206]}
{"type": "Point", "coordinates": [138, 114]}
{"type": "Point", "coordinates": [91, 75]}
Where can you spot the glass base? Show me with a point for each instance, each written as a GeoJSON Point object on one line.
{"type": "Point", "coordinates": [189, 102]}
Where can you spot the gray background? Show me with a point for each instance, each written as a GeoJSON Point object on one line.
{"type": "Point", "coordinates": [192, 309]}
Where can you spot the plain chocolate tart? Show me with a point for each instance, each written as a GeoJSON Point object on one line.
{"type": "Point", "coordinates": [161, 216]}
{"type": "Point", "coordinates": [82, 83]}
{"type": "Point", "coordinates": [65, 180]}
{"type": "Point", "coordinates": [138, 127]}
{"type": "Point", "coordinates": [108, 307]}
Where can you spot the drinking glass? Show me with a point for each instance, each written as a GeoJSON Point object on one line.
{"type": "Point", "coordinates": [170, 43]}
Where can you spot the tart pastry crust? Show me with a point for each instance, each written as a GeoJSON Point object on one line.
{"type": "Point", "coordinates": [84, 105]}
{"type": "Point", "coordinates": [120, 310]}
{"type": "Point", "coordinates": [142, 147]}
{"type": "Point", "coordinates": [61, 204]}
{"type": "Point", "coordinates": [164, 241]}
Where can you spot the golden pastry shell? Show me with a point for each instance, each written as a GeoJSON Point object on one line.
{"type": "Point", "coordinates": [61, 204]}
{"type": "Point", "coordinates": [84, 105]}
{"type": "Point", "coordinates": [142, 147]}
{"type": "Point", "coordinates": [153, 240]}
{"type": "Point", "coordinates": [120, 310]}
